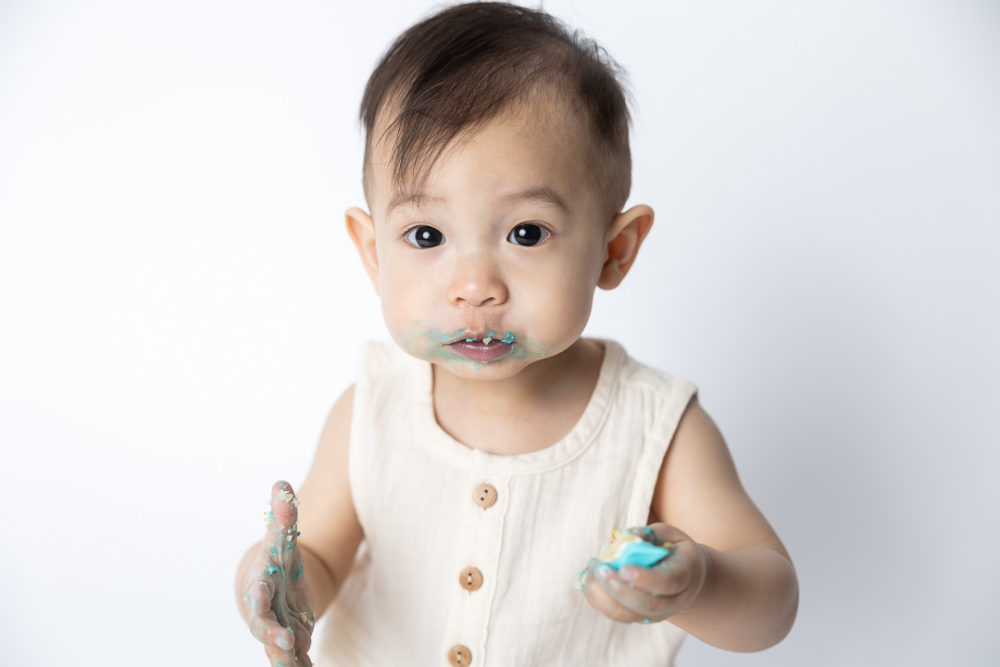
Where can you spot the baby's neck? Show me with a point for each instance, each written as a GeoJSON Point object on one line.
{"type": "Point", "coordinates": [525, 413]}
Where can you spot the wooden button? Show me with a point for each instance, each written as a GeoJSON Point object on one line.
{"type": "Point", "coordinates": [459, 656]}
{"type": "Point", "coordinates": [471, 579]}
{"type": "Point", "coordinates": [485, 495]}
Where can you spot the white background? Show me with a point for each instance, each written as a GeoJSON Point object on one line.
{"type": "Point", "coordinates": [180, 304]}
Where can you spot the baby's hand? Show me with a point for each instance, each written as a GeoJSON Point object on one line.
{"type": "Point", "coordinates": [275, 604]}
{"type": "Point", "coordinates": [647, 594]}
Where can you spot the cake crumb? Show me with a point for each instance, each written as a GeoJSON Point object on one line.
{"type": "Point", "coordinates": [288, 497]}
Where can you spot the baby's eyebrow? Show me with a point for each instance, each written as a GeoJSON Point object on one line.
{"type": "Point", "coordinates": [541, 194]}
{"type": "Point", "coordinates": [415, 199]}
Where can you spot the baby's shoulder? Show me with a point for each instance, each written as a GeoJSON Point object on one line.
{"type": "Point", "coordinates": [638, 377]}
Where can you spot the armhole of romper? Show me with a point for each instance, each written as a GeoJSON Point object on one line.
{"type": "Point", "coordinates": [370, 359]}
{"type": "Point", "coordinates": [659, 438]}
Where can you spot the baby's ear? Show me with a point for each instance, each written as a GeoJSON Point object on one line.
{"type": "Point", "coordinates": [361, 228]}
{"type": "Point", "coordinates": [625, 234]}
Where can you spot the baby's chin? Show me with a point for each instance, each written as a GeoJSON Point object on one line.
{"type": "Point", "coordinates": [492, 371]}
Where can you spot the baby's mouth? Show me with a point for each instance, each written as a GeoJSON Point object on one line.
{"type": "Point", "coordinates": [483, 348]}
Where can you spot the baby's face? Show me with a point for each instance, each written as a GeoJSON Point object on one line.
{"type": "Point", "coordinates": [493, 266]}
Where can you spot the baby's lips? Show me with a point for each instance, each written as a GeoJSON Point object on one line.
{"type": "Point", "coordinates": [470, 335]}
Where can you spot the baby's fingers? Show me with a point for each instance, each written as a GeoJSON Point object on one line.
{"type": "Point", "coordinates": [283, 647]}
{"type": "Point", "coordinates": [303, 641]}
{"type": "Point", "coordinates": [282, 519]}
{"type": "Point", "coordinates": [263, 622]}
{"type": "Point", "coordinates": [296, 657]}
{"type": "Point", "coordinates": [670, 577]}
{"type": "Point", "coordinates": [268, 631]}
{"type": "Point", "coordinates": [665, 579]}
{"type": "Point", "coordinates": [259, 593]}
{"type": "Point", "coordinates": [638, 602]}
{"type": "Point", "coordinates": [281, 658]}
{"type": "Point", "coordinates": [601, 599]}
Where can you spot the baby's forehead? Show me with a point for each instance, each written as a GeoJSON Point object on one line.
{"type": "Point", "coordinates": [545, 127]}
{"type": "Point", "coordinates": [539, 148]}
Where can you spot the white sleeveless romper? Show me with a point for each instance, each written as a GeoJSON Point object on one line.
{"type": "Point", "coordinates": [449, 574]}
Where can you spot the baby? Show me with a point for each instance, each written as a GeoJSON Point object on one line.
{"type": "Point", "coordinates": [483, 455]}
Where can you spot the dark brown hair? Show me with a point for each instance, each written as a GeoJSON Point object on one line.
{"type": "Point", "coordinates": [460, 68]}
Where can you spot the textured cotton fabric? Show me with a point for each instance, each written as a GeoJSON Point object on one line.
{"type": "Point", "coordinates": [412, 486]}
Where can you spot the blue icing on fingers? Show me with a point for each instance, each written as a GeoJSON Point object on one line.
{"type": "Point", "coordinates": [642, 554]}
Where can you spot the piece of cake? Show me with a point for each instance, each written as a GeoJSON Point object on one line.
{"type": "Point", "coordinates": [626, 548]}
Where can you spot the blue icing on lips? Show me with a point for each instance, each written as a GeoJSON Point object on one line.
{"type": "Point", "coordinates": [642, 554]}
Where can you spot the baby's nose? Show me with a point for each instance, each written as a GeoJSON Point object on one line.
{"type": "Point", "coordinates": [477, 282]}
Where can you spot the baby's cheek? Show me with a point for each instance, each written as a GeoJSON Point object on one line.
{"type": "Point", "coordinates": [563, 313]}
{"type": "Point", "coordinates": [399, 317]}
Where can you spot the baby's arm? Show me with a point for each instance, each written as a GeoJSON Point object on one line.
{"type": "Point", "coordinates": [729, 580]}
{"type": "Point", "coordinates": [330, 535]}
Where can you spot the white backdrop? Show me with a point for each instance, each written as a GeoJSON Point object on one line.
{"type": "Point", "coordinates": [179, 303]}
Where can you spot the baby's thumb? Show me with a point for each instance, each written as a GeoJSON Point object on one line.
{"type": "Point", "coordinates": [283, 518]}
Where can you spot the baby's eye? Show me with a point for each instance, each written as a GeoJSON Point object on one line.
{"type": "Point", "coordinates": [423, 236]}
{"type": "Point", "coordinates": [528, 234]}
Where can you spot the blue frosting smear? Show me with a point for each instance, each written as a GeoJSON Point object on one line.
{"type": "Point", "coordinates": [642, 554]}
